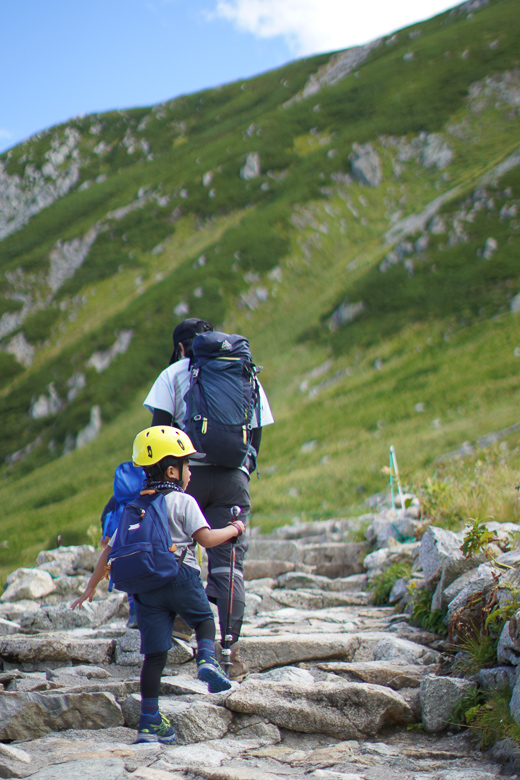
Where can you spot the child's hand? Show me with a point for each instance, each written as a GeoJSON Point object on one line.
{"type": "Point", "coordinates": [239, 525]}
{"type": "Point", "coordinates": [88, 593]}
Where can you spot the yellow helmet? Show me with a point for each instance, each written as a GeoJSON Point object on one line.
{"type": "Point", "coordinates": [155, 443]}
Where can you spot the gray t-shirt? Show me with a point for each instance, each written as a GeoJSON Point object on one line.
{"type": "Point", "coordinates": [184, 519]}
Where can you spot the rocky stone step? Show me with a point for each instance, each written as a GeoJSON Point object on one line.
{"type": "Point", "coordinates": [390, 674]}
{"type": "Point", "coordinates": [267, 652]}
{"type": "Point", "coordinates": [339, 709]}
{"type": "Point", "coordinates": [61, 647]}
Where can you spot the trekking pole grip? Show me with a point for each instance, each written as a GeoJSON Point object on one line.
{"type": "Point", "coordinates": [236, 511]}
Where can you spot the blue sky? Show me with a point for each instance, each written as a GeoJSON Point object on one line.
{"type": "Point", "coordinates": [61, 58]}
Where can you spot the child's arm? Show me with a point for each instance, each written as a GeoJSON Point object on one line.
{"type": "Point", "coordinates": [211, 537]}
{"type": "Point", "coordinates": [97, 576]}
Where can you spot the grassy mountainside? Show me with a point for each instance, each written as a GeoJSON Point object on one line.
{"type": "Point", "coordinates": [355, 215]}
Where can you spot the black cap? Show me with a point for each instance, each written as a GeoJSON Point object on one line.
{"type": "Point", "coordinates": [186, 332]}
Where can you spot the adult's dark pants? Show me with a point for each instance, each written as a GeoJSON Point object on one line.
{"type": "Point", "coordinates": [217, 489]}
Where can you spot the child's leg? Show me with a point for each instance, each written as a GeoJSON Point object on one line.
{"type": "Point", "coordinates": [151, 671]}
{"type": "Point", "coordinates": [208, 668]}
{"type": "Point", "coordinates": [153, 727]}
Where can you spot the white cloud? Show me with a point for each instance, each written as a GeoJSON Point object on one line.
{"type": "Point", "coordinates": [5, 133]}
{"type": "Point", "coordinates": [311, 26]}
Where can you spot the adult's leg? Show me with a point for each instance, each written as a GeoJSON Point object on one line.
{"type": "Point", "coordinates": [217, 490]}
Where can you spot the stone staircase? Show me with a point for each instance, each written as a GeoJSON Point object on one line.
{"type": "Point", "coordinates": [334, 690]}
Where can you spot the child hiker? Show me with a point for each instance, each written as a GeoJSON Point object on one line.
{"type": "Point", "coordinates": [163, 452]}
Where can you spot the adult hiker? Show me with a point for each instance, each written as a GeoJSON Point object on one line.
{"type": "Point", "coordinates": [217, 488]}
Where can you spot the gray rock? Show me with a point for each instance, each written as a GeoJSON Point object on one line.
{"type": "Point", "coordinates": [15, 762]}
{"type": "Point", "coordinates": [436, 152]}
{"type": "Point", "coordinates": [17, 609]}
{"type": "Point", "coordinates": [437, 547]}
{"type": "Point", "coordinates": [391, 674]}
{"type": "Point", "coordinates": [347, 554]}
{"type": "Point", "coordinates": [510, 558]}
{"type": "Point", "coordinates": [31, 715]}
{"type": "Point", "coordinates": [194, 722]}
{"type": "Point", "coordinates": [314, 599]}
{"type": "Point", "coordinates": [28, 584]}
{"type": "Point", "coordinates": [469, 590]}
{"type": "Point", "coordinates": [265, 583]}
{"type": "Point", "coordinates": [20, 648]}
{"type": "Point", "coordinates": [8, 627]}
{"type": "Point", "coordinates": [265, 549]}
{"type": "Point", "coordinates": [506, 751]}
{"type": "Point", "coordinates": [201, 722]}
{"type": "Point", "coordinates": [127, 650]}
{"type": "Point", "coordinates": [508, 649]}
{"type": "Point", "coordinates": [108, 768]}
{"type": "Point", "coordinates": [285, 674]}
{"type": "Point", "coordinates": [253, 727]}
{"type": "Point", "coordinates": [497, 678]}
{"type": "Point", "coordinates": [452, 570]}
{"type": "Point", "coordinates": [262, 653]}
{"type": "Point", "coordinates": [251, 167]}
{"type": "Point", "coordinates": [402, 529]}
{"type": "Point", "coordinates": [399, 591]}
{"type": "Point", "coordinates": [69, 588]}
{"type": "Point", "coordinates": [268, 652]}
{"type": "Point", "coordinates": [514, 703]}
{"type": "Point", "coordinates": [256, 569]}
{"type": "Point", "coordinates": [62, 617]}
{"type": "Point", "coordinates": [393, 648]}
{"type": "Point", "coordinates": [444, 595]}
{"type": "Point", "coordinates": [345, 314]}
{"type": "Point", "coordinates": [339, 709]}
{"type": "Point", "coordinates": [300, 580]}
{"type": "Point", "coordinates": [439, 696]}
{"type": "Point", "coordinates": [365, 165]}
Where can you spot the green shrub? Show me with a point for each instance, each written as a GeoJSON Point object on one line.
{"type": "Point", "coordinates": [38, 326]}
{"type": "Point", "coordinates": [424, 616]}
{"type": "Point", "coordinates": [383, 583]}
{"type": "Point", "coordinates": [487, 717]}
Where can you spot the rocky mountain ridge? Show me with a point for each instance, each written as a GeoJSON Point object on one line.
{"type": "Point", "coordinates": [358, 210]}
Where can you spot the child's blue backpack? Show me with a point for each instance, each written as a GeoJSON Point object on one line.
{"type": "Point", "coordinates": [128, 482]}
{"type": "Point", "coordinates": [143, 555]}
{"type": "Point", "coordinates": [221, 399]}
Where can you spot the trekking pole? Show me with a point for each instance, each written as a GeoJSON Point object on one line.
{"type": "Point", "coordinates": [228, 636]}
{"type": "Point", "coordinates": [394, 472]}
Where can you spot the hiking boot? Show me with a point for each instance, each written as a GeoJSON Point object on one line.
{"type": "Point", "coordinates": [209, 671]}
{"type": "Point", "coordinates": [238, 669]}
{"type": "Point", "coordinates": [155, 728]}
{"type": "Point", "coordinates": [181, 630]}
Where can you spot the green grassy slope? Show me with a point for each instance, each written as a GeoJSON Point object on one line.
{"type": "Point", "coordinates": [165, 223]}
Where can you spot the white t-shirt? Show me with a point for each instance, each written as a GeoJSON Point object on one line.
{"type": "Point", "coordinates": [184, 519]}
{"type": "Point", "coordinates": [171, 386]}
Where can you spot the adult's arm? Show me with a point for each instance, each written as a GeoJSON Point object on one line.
{"type": "Point", "coordinates": [256, 439]}
{"type": "Point", "coordinates": [162, 417]}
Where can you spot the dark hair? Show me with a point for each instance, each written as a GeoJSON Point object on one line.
{"type": "Point", "coordinates": [183, 336]}
{"type": "Point", "coordinates": [158, 471]}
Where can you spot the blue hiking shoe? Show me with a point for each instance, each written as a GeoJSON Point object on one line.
{"type": "Point", "coordinates": [155, 728]}
{"type": "Point", "coordinates": [209, 671]}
